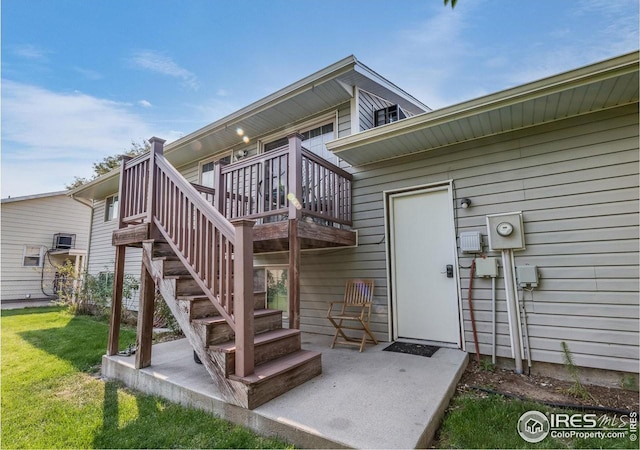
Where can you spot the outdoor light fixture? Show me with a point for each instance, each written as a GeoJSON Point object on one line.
{"type": "Point", "coordinates": [465, 203]}
{"type": "Point", "coordinates": [245, 139]}
{"type": "Point", "coordinates": [240, 131]}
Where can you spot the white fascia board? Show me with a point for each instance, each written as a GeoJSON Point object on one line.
{"type": "Point", "coordinates": [33, 196]}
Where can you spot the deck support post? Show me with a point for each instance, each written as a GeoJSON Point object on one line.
{"type": "Point", "coordinates": [145, 319]}
{"type": "Point", "coordinates": [294, 275]}
{"type": "Point", "coordinates": [295, 214]}
{"type": "Point", "coordinates": [243, 301]}
{"type": "Point", "coordinates": [116, 302]}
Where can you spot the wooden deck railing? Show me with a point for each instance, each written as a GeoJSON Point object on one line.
{"type": "Point", "coordinates": [265, 186]}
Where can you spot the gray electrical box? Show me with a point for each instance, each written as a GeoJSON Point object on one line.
{"type": "Point", "coordinates": [487, 267]}
{"type": "Point", "coordinates": [471, 242]}
{"type": "Point", "coordinates": [527, 276]}
{"type": "Point", "coordinates": [505, 231]}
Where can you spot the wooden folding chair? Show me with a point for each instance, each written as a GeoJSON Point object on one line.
{"type": "Point", "coordinates": [353, 314]}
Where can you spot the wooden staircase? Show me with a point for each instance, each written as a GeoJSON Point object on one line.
{"type": "Point", "coordinates": [280, 363]}
{"type": "Point", "coordinates": [202, 265]}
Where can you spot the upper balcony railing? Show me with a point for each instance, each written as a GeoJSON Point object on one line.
{"type": "Point", "coordinates": [287, 182]}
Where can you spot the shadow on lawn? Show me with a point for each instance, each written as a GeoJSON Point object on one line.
{"type": "Point", "coordinates": [82, 341]}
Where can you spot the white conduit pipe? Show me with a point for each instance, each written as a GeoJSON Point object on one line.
{"type": "Point", "coordinates": [493, 317]}
{"type": "Point", "coordinates": [512, 308]}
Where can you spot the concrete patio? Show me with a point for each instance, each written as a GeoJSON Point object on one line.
{"type": "Point", "coordinates": [374, 399]}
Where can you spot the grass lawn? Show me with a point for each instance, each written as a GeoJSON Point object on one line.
{"type": "Point", "coordinates": [51, 397]}
{"type": "Point", "coordinates": [475, 421]}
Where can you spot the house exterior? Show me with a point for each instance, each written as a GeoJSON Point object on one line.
{"type": "Point", "coordinates": [561, 153]}
{"type": "Point", "coordinates": [38, 232]}
{"type": "Point", "coordinates": [343, 175]}
{"type": "Point", "coordinates": [246, 166]}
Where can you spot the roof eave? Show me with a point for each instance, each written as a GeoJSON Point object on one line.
{"type": "Point", "coordinates": [616, 66]}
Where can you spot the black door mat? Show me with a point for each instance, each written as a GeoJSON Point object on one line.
{"type": "Point", "coordinates": [412, 349]}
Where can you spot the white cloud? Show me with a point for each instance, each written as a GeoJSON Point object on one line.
{"type": "Point", "coordinates": [50, 137]}
{"type": "Point", "coordinates": [145, 103]}
{"type": "Point", "coordinates": [156, 62]}
{"type": "Point", "coordinates": [29, 51]}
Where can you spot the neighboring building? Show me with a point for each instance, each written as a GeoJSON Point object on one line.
{"type": "Point", "coordinates": [39, 232]}
{"type": "Point", "coordinates": [386, 197]}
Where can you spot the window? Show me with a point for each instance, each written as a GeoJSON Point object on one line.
{"type": "Point", "coordinates": [275, 281]}
{"type": "Point", "coordinates": [32, 256]}
{"type": "Point", "coordinates": [313, 139]}
{"type": "Point", "coordinates": [111, 208]}
{"type": "Point", "coordinates": [207, 173]}
{"type": "Point", "coordinates": [206, 178]}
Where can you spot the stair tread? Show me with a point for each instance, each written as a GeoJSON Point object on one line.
{"type": "Point", "coordinates": [268, 370]}
{"type": "Point", "coordinates": [257, 313]}
{"type": "Point", "coordinates": [259, 339]}
{"type": "Point", "coordinates": [191, 298]}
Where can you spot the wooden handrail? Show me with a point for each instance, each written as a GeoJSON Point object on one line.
{"type": "Point", "coordinates": [191, 193]}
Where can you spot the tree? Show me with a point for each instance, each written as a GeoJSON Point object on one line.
{"type": "Point", "coordinates": [453, 3]}
{"type": "Point", "coordinates": [109, 163]}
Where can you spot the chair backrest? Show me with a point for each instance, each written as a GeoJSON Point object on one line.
{"type": "Point", "coordinates": [358, 292]}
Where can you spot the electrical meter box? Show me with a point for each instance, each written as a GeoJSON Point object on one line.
{"type": "Point", "coordinates": [527, 276]}
{"type": "Point", "coordinates": [505, 231]}
{"type": "Point", "coordinates": [470, 242]}
{"type": "Point", "coordinates": [487, 267]}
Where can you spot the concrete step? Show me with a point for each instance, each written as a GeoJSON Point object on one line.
{"type": "Point", "coordinates": [267, 347]}
{"type": "Point", "coordinates": [278, 376]}
{"type": "Point", "coordinates": [216, 330]}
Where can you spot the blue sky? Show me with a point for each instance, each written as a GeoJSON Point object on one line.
{"type": "Point", "coordinates": [81, 79]}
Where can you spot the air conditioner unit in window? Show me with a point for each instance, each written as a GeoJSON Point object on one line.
{"type": "Point", "coordinates": [389, 114]}
{"type": "Point", "coordinates": [63, 241]}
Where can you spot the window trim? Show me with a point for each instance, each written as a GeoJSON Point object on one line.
{"type": "Point", "coordinates": [40, 255]}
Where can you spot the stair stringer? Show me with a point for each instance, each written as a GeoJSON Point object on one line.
{"type": "Point", "coordinates": [233, 392]}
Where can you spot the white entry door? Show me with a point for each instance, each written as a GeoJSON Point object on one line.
{"type": "Point", "coordinates": [422, 244]}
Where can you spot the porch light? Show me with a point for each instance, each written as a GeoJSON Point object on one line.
{"type": "Point", "coordinates": [240, 131]}
{"type": "Point", "coordinates": [465, 203]}
{"type": "Point", "coordinates": [245, 139]}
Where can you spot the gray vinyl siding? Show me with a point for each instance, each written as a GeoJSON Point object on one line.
{"type": "Point", "coordinates": [102, 254]}
{"type": "Point", "coordinates": [576, 182]}
{"type": "Point", "coordinates": [344, 120]}
{"type": "Point", "coordinates": [34, 222]}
